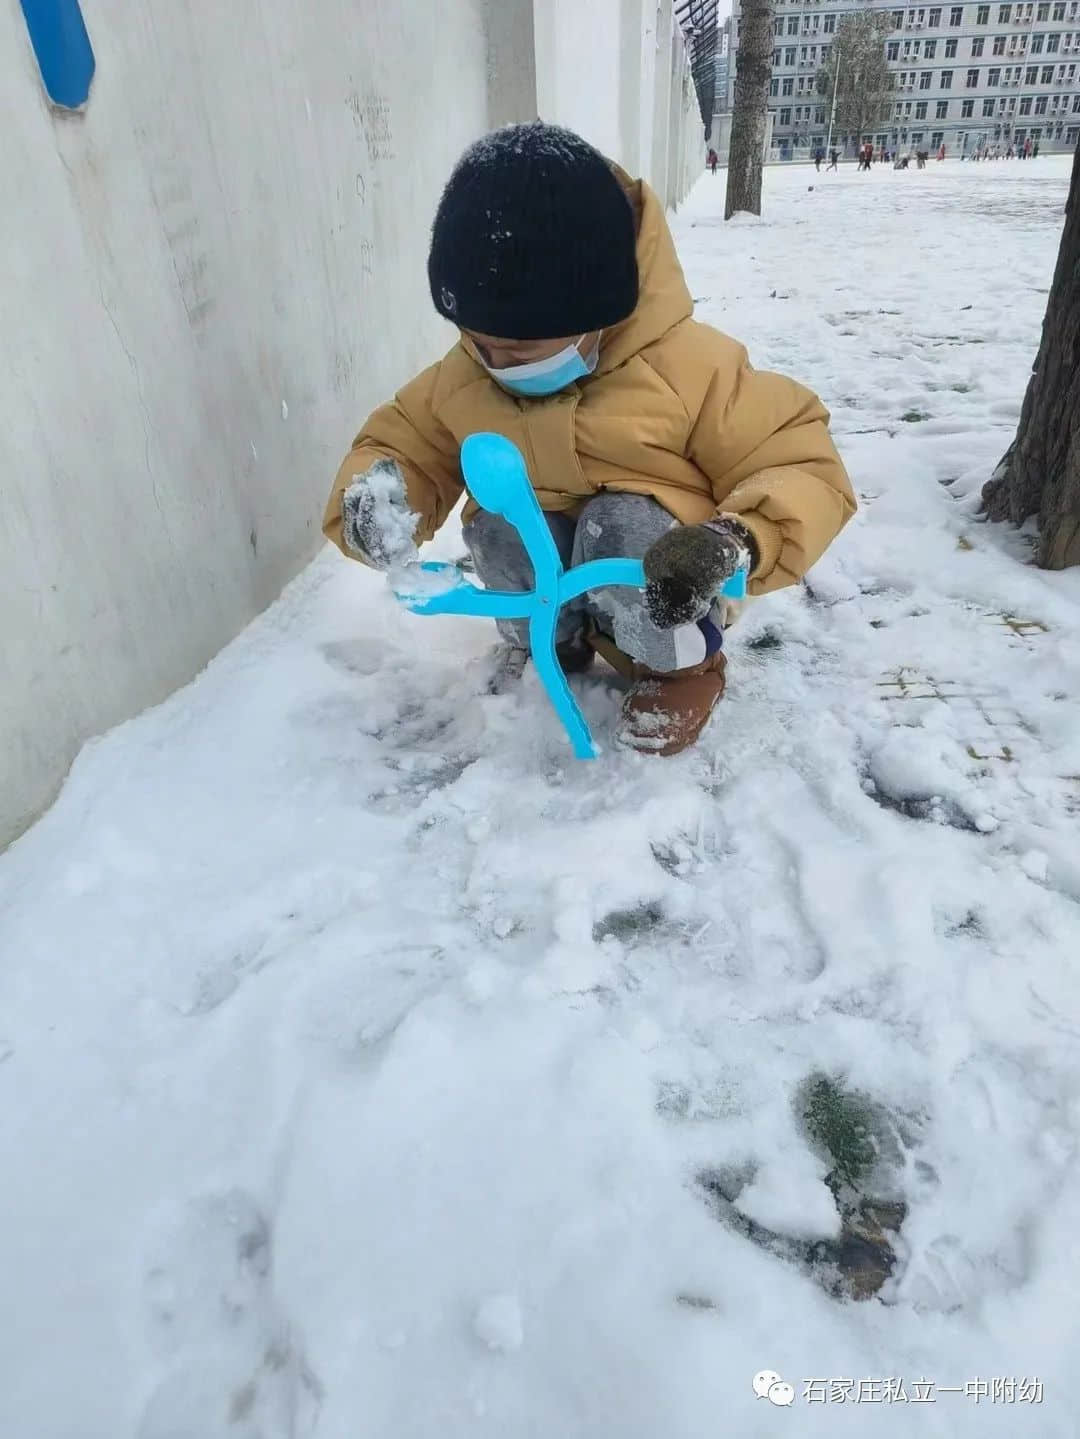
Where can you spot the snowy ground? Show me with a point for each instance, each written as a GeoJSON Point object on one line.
{"type": "Point", "coordinates": [362, 1053]}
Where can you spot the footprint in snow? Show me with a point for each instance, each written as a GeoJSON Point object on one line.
{"type": "Point", "coordinates": [232, 1366]}
{"type": "Point", "coordinates": [865, 1145]}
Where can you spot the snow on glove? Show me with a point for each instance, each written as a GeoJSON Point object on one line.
{"type": "Point", "coordinates": [377, 523]}
{"type": "Point", "coordinates": [685, 568]}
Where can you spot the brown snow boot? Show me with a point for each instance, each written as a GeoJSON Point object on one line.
{"type": "Point", "coordinates": [663, 713]}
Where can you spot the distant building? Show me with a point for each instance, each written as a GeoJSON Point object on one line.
{"type": "Point", "coordinates": [723, 64]}
{"type": "Point", "coordinates": [965, 76]}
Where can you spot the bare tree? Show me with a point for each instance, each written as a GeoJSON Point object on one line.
{"type": "Point", "coordinates": [1040, 472]}
{"type": "Point", "coordinates": [858, 53]}
{"type": "Point", "coordinates": [753, 71]}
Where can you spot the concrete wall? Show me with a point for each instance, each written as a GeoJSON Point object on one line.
{"type": "Point", "coordinates": [210, 276]}
{"type": "Point", "coordinates": [617, 72]}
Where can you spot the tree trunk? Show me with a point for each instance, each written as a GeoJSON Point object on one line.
{"type": "Point", "coordinates": [1040, 471]}
{"type": "Point", "coordinates": [753, 71]}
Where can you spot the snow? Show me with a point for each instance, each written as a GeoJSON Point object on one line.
{"type": "Point", "coordinates": [361, 1050]}
{"type": "Point", "coordinates": [498, 1322]}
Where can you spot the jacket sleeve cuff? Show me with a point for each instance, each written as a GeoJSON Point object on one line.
{"type": "Point", "coordinates": [768, 541]}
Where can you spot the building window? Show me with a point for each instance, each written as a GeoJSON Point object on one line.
{"type": "Point", "coordinates": [946, 80]}
{"type": "Point", "coordinates": [950, 49]}
{"type": "Point", "coordinates": [916, 137]}
{"type": "Point", "coordinates": [972, 81]}
{"type": "Point", "coordinates": [793, 25]}
{"type": "Point", "coordinates": [892, 50]}
{"type": "Point", "coordinates": [778, 28]}
{"type": "Point", "coordinates": [982, 15]}
{"type": "Point", "coordinates": [785, 116]}
{"type": "Point", "coordinates": [988, 109]}
{"type": "Point", "coordinates": [774, 88]}
{"type": "Point", "coordinates": [930, 49]}
{"type": "Point", "coordinates": [977, 47]}
{"type": "Point", "coordinates": [956, 16]}
{"type": "Point", "coordinates": [942, 110]}
{"type": "Point", "coordinates": [1031, 75]}
{"type": "Point", "coordinates": [898, 19]}
{"type": "Point", "coordinates": [1059, 10]}
{"type": "Point", "coordinates": [788, 87]}
{"type": "Point", "coordinates": [1037, 42]}
{"type": "Point", "coordinates": [819, 115]}
{"type": "Point", "coordinates": [936, 139]}
{"type": "Point", "coordinates": [999, 44]}
{"type": "Point", "coordinates": [1025, 105]}
{"type": "Point", "coordinates": [1048, 74]}
{"type": "Point", "coordinates": [776, 59]}
{"type": "Point", "coordinates": [1004, 14]}
{"type": "Point", "coordinates": [935, 18]}
{"type": "Point", "coordinates": [1052, 44]}
{"type": "Point", "coordinates": [967, 109]}
{"type": "Point", "coordinates": [830, 25]}
{"type": "Point", "coordinates": [1043, 12]}
{"type": "Point", "coordinates": [1076, 104]}
{"type": "Point", "coordinates": [789, 55]}
{"type": "Point", "coordinates": [920, 110]}
{"type": "Point", "coordinates": [993, 77]}
{"type": "Point", "coordinates": [1040, 104]}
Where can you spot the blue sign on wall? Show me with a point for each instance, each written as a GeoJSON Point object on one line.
{"type": "Point", "coordinates": [62, 46]}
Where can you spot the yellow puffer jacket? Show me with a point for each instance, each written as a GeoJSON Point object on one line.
{"type": "Point", "coordinates": [673, 410]}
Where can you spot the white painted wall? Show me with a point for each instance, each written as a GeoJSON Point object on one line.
{"type": "Point", "coordinates": [212, 275]}
{"type": "Point", "coordinates": [235, 228]}
{"type": "Point", "coordinates": [614, 71]}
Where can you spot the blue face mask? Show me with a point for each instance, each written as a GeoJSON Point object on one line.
{"type": "Point", "coordinates": [547, 377]}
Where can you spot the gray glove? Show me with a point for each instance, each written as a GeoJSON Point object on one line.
{"type": "Point", "coordinates": [376, 521]}
{"type": "Point", "coordinates": [686, 567]}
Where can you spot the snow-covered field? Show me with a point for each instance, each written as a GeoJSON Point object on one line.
{"type": "Point", "coordinates": [369, 1067]}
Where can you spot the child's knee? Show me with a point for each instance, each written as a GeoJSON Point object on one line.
{"type": "Point", "coordinates": [615, 525]}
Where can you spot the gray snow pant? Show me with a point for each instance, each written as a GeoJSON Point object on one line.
{"type": "Point", "coordinates": [608, 526]}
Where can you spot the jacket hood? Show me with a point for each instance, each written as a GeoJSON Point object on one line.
{"type": "Point", "coordinates": [663, 297]}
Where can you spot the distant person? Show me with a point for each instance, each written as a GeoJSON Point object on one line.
{"type": "Point", "coordinates": [941, 154]}
{"type": "Point", "coordinates": [819, 155]}
{"type": "Point", "coordinates": [834, 157]}
{"type": "Point", "coordinates": [713, 160]}
{"type": "Point", "coordinates": [1027, 149]}
{"type": "Point", "coordinates": [1035, 151]}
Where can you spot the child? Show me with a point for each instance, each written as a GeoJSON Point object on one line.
{"type": "Point", "coordinates": [645, 434]}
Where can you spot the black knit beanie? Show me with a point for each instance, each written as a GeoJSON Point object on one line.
{"type": "Point", "coordinates": [534, 238]}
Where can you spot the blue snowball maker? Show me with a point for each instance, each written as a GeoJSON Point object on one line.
{"type": "Point", "coordinates": [496, 477]}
